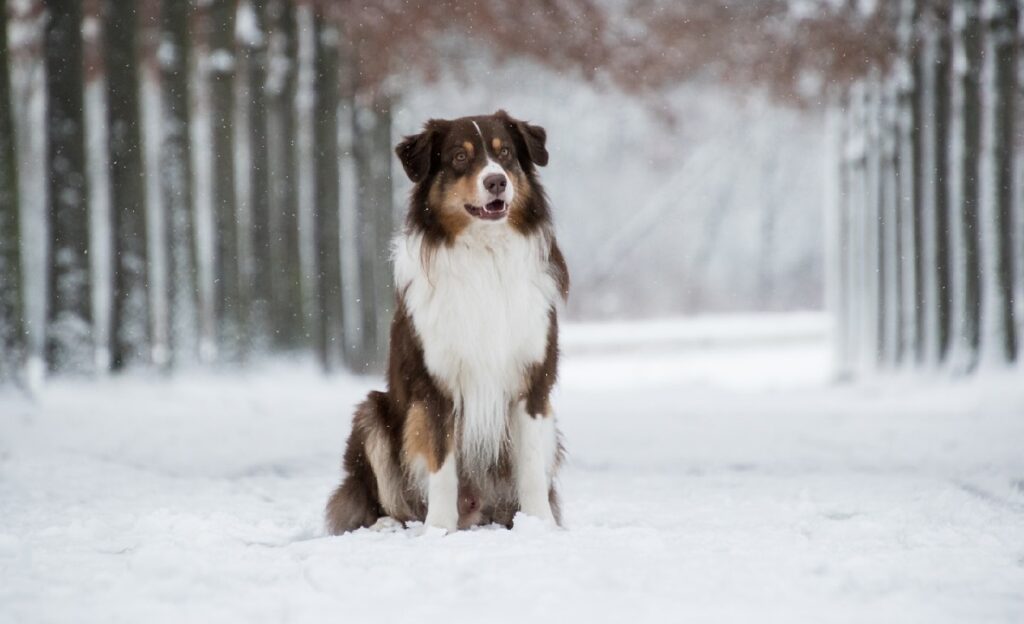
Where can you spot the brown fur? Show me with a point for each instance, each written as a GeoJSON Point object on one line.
{"type": "Point", "coordinates": [412, 425]}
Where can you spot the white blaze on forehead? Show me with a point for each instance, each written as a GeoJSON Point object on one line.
{"type": "Point", "coordinates": [489, 168]}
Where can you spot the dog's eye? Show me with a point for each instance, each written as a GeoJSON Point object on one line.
{"type": "Point", "coordinates": [505, 152]}
{"type": "Point", "coordinates": [460, 157]}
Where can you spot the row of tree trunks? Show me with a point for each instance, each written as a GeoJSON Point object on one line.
{"type": "Point", "coordinates": [929, 220]}
{"type": "Point", "coordinates": [186, 182]}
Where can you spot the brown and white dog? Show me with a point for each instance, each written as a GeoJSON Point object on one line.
{"type": "Point", "coordinates": [465, 434]}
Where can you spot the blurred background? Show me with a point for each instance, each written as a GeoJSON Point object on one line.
{"type": "Point", "coordinates": [212, 181]}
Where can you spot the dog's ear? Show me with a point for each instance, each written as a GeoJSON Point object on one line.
{"type": "Point", "coordinates": [532, 138]}
{"type": "Point", "coordinates": [418, 152]}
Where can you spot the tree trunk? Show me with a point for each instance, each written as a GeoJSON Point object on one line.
{"type": "Point", "coordinates": [874, 299]}
{"type": "Point", "coordinates": [227, 286]}
{"type": "Point", "coordinates": [131, 310]}
{"type": "Point", "coordinates": [253, 187]}
{"type": "Point", "coordinates": [941, 127]}
{"type": "Point", "coordinates": [929, 184]}
{"type": "Point", "coordinates": [1018, 201]}
{"type": "Point", "coordinates": [890, 236]}
{"type": "Point", "coordinates": [152, 117]}
{"type": "Point", "coordinates": [305, 162]}
{"type": "Point", "coordinates": [328, 224]}
{"type": "Point", "coordinates": [999, 75]}
{"type": "Point", "coordinates": [283, 223]}
{"type": "Point", "coordinates": [376, 221]}
{"type": "Point", "coordinates": [177, 182]}
{"type": "Point", "coordinates": [203, 177]}
{"type": "Point", "coordinates": [11, 328]}
{"type": "Point", "coordinates": [69, 334]}
{"type": "Point", "coordinates": [248, 116]}
{"type": "Point", "coordinates": [96, 115]}
{"type": "Point", "coordinates": [855, 217]}
{"type": "Point", "coordinates": [28, 99]}
{"type": "Point", "coordinates": [965, 133]}
{"type": "Point", "coordinates": [910, 163]}
{"type": "Point", "coordinates": [351, 274]}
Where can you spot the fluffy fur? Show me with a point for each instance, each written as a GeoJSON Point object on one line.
{"type": "Point", "coordinates": [465, 433]}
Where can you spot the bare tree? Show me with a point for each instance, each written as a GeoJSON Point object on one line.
{"type": "Point", "coordinates": [227, 283]}
{"type": "Point", "coordinates": [11, 330]}
{"type": "Point", "coordinates": [251, 77]}
{"type": "Point", "coordinates": [96, 117]}
{"type": "Point", "coordinates": [177, 181]}
{"type": "Point", "coordinates": [282, 225]}
{"type": "Point", "coordinates": [965, 133]}
{"type": "Point", "coordinates": [204, 200]}
{"type": "Point", "coordinates": [250, 168]}
{"type": "Point", "coordinates": [26, 28]}
{"type": "Point", "coordinates": [330, 332]}
{"type": "Point", "coordinates": [934, 68]}
{"type": "Point", "coordinates": [152, 124]}
{"type": "Point", "coordinates": [69, 334]}
{"type": "Point", "coordinates": [131, 309]}
{"type": "Point", "coordinates": [999, 89]}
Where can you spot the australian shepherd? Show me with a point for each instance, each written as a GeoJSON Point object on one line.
{"type": "Point", "coordinates": [465, 434]}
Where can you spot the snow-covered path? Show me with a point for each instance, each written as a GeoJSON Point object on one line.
{"type": "Point", "coordinates": [713, 476]}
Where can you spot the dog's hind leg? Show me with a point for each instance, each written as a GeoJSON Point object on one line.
{"type": "Point", "coordinates": [356, 503]}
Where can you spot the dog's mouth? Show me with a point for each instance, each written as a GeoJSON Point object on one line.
{"type": "Point", "coordinates": [491, 211]}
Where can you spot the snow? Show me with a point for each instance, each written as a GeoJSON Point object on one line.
{"type": "Point", "coordinates": [723, 479]}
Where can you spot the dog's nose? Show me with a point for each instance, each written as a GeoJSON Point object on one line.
{"type": "Point", "coordinates": [495, 183]}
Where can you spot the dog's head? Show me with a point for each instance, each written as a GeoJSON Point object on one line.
{"type": "Point", "coordinates": [475, 172]}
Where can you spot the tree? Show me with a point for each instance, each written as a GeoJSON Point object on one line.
{"type": "Point", "coordinates": [250, 175]}
{"type": "Point", "coordinates": [152, 123]}
{"type": "Point", "coordinates": [131, 307]}
{"type": "Point", "coordinates": [97, 148]}
{"type": "Point", "coordinates": [330, 332]}
{"type": "Point", "coordinates": [27, 27]}
{"type": "Point", "coordinates": [999, 75]}
{"type": "Point", "coordinates": [227, 286]}
{"type": "Point", "coordinates": [69, 334]}
{"type": "Point", "coordinates": [176, 181]}
{"type": "Point", "coordinates": [306, 200]}
{"type": "Point", "coordinates": [965, 133]}
{"type": "Point", "coordinates": [203, 175]}
{"type": "Point", "coordinates": [11, 331]}
{"type": "Point", "coordinates": [282, 224]}
{"type": "Point", "coordinates": [934, 68]}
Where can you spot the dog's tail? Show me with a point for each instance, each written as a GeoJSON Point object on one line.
{"type": "Point", "coordinates": [355, 503]}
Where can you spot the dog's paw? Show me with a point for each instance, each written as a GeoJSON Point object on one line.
{"type": "Point", "coordinates": [386, 524]}
{"type": "Point", "coordinates": [443, 521]}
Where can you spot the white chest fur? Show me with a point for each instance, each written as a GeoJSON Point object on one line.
{"type": "Point", "coordinates": [481, 309]}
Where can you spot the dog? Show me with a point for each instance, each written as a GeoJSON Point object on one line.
{"type": "Point", "coordinates": [465, 434]}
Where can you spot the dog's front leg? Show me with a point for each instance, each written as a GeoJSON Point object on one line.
{"type": "Point", "coordinates": [535, 446]}
{"type": "Point", "coordinates": [443, 496]}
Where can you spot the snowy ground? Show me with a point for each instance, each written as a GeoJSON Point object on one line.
{"type": "Point", "coordinates": [717, 479]}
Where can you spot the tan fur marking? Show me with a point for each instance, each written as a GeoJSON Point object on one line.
{"type": "Point", "coordinates": [417, 440]}
{"type": "Point", "coordinates": [516, 216]}
{"type": "Point", "coordinates": [496, 144]}
{"type": "Point", "coordinates": [469, 148]}
{"type": "Point", "coordinates": [388, 480]}
{"type": "Point", "coordinates": [450, 213]}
